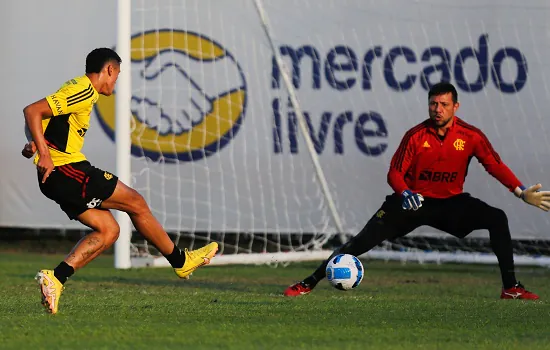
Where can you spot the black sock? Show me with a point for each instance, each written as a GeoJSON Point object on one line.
{"type": "Point", "coordinates": [176, 258]}
{"type": "Point", "coordinates": [508, 280]}
{"type": "Point", "coordinates": [310, 281]}
{"type": "Point", "coordinates": [501, 242]}
{"type": "Point", "coordinates": [63, 271]}
{"type": "Point", "coordinates": [318, 274]}
{"type": "Point", "coordinates": [509, 284]}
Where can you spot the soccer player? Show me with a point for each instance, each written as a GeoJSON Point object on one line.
{"type": "Point", "coordinates": [427, 174]}
{"type": "Point", "coordinates": [57, 125]}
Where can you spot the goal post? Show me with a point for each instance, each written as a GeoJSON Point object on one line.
{"type": "Point", "coordinates": [268, 125]}
{"type": "Point", "coordinates": [122, 130]}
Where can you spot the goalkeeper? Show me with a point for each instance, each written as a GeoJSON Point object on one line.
{"type": "Point", "coordinates": [55, 127]}
{"type": "Point", "coordinates": [427, 174]}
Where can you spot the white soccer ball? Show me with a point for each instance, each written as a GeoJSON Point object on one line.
{"type": "Point", "coordinates": [344, 271]}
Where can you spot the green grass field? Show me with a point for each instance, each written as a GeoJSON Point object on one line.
{"type": "Point", "coordinates": [241, 307]}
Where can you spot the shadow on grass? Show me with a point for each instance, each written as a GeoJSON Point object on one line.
{"type": "Point", "coordinates": [198, 283]}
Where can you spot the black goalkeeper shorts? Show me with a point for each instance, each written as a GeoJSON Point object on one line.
{"type": "Point", "coordinates": [77, 187]}
{"type": "Point", "coordinates": [458, 215]}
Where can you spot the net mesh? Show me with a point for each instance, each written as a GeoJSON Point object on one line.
{"type": "Point", "coordinates": [217, 148]}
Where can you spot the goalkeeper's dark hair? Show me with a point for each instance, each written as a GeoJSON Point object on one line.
{"type": "Point", "coordinates": [443, 88]}
{"type": "Point", "coordinates": [96, 60]}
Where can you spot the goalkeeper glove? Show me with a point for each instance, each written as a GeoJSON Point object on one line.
{"type": "Point", "coordinates": [532, 195]}
{"type": "Point", "coordinates": [411, 200]}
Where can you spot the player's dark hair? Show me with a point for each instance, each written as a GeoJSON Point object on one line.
{"type": "Point", "coordinates": [443, 88]}
{"type": "Point", "coordinates": [96, 60]}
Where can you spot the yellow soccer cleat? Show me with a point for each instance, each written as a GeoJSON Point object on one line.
{"type": "Point", "coordinates": [196, 258]}
{"type": "Point", "coordinates": [51, 290]}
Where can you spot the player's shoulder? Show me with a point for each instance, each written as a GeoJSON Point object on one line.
{"type": "Point", "coordinates": [418, 128]}
{"type": "Point", "coordinates": [468, 128]}
{"type": "Point", "coordinates": [77, 89]}
{"type": "Point", "coordinates": [77, 83]}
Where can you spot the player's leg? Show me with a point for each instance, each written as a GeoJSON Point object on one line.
{"type": "Point", "coordinates": [104, 234]}
{"type": "Point", "coordinates": [465, 214]}
{"type": "Point", "coordinates": [63, 188]}
{"type": "Point", "coordinates": [374, 233]}
{"type": "Point", "coordinates": [130, 201]}
{"type": "Point", "coordinates": [389, 222]}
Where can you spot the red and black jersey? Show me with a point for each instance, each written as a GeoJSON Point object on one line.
{"type": "Point", "coordinates": [436, 167]}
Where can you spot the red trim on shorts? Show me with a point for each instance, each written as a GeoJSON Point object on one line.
{"type": "Point", "coordinates": [84, 187]}
{"type": "Point", "coordinates": [71, 173]}
{"type": "Point", "coordinates": [75, 170]}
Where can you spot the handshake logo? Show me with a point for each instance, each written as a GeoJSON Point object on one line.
{"type": "Point", "coordinates": [174, 92]}
{"type": "Point", "coordinates": [188, 96]}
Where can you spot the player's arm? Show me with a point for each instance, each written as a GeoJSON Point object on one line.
{"type": "Point", "coordinates": [494, 165]}
{"type": "Point", "coordinates": [30, 148]}
{"type": "Point", "coordinates": [71, 98]}
{"type": "Point", "coordinates": [34, 113]}
{"type": "Point", "coordinates": [400, 164]}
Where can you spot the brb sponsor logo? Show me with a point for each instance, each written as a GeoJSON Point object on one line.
{"type": "Point", "coordinates": [437, 176]}
{"type": "Point", "coordinates": [189, 96]}
{"type": "Point", "coordinates": [341, 69]}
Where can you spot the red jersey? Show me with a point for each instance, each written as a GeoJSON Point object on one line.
{"type": "Point", "coordinates": [436, 168]}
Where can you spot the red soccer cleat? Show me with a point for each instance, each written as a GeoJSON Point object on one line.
{"type": "Point", "coordinates": [518, 292]}
{"type": "Point", "coordinates": [297, 289]}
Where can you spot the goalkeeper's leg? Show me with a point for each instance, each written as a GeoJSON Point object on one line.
{"type": "Point", "coordinates": [469, 214]}
{"type": "Point", "coordinates": [389, 222]}
{"type": "Point", "coordinates": [369, 237]}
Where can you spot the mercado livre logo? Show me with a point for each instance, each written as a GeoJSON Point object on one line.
{"type": "Point", "coordinates": [188, 96]}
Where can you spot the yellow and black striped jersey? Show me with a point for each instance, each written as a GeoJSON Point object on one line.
{"type": "Point", "coordinates": [64, 132]}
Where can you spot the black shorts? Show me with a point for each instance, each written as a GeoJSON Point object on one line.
{"type": "Point", "coordinates": [458, 215]}
{"type": "Point", "coordinates": [77, 187]}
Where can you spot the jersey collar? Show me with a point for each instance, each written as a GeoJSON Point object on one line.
{"type": "Point", "coordinates": [90, 82]}
{"type": "Point", "coordinates": [431, 128]}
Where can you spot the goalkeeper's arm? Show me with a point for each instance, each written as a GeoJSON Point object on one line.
{"type": "Point", "coordinates": [532, 195]}
{"type": "Point", "coordinates": [491, 161]}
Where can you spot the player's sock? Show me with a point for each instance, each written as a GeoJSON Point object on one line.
{"type": "Point", "coordinates": [63, 271]}
{"type": "Point", "coordinates": [176, 258]}
{"type": "Point", "coordinates": [317, 275]}
{"type": "Point", "coordinates": [310, 281]}
{"type": "Point", "coordinates": [509, 284]}
{"type": "Point", "coordinates": [501, 242]}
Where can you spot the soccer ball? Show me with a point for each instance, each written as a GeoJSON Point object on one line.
{"type": "Point", "coordinates": [344, 271]}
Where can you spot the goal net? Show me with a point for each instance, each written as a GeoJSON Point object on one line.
{"type": "Point", "coordinates": [268, 126]}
